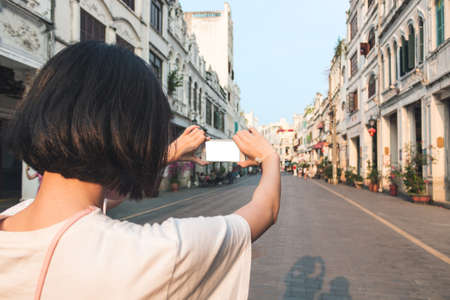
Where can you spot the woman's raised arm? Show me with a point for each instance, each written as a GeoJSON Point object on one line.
{"type": "Point", "coordinates": [262, 211]}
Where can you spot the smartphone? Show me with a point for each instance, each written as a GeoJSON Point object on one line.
{"type": "Point", "coordinates": [224, 150]}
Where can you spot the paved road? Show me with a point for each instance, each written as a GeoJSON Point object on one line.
{"type": "Point", "coordinates": [330, 242]}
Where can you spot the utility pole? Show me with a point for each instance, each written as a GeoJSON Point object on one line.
{"type": "Point", "coordinates": [333, 125]}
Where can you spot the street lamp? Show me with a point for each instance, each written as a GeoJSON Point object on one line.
{"type": "Point", "coordinates": [372, 124]}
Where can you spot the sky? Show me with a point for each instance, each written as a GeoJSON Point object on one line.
{"type": "Point", "coordinates": [281, 52]}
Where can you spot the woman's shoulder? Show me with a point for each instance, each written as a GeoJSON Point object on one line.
{"type": "Point", "coordinates": [103, 227]}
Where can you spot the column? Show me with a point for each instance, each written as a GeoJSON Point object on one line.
{"type": "Point", "coordinates": [75, 22]}
{"type": "Point", "coordinates": [110, 35]}
{"type": "Point", "coordinates": [438, 111]}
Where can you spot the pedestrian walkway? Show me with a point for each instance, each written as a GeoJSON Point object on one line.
{"type": "Point", "coordinates": [430, 224]}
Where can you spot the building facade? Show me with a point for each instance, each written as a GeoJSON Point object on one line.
{"type": "Point", "coordinates": [26, 43]}
{"type": "Point", "coordinates": [390, 91]}
{"type": "Point", "coordinates": [31, 32]}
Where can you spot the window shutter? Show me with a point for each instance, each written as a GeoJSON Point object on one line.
{"type": "Point", "coordinates": [411, 50]}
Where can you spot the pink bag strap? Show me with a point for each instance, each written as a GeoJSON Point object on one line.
{"type": "Point", "coordinates": [52, 247]}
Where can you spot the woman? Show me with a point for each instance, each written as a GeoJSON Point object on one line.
{"type": "Point", "coordinates": [95, 123]}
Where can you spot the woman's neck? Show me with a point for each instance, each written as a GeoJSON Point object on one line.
{"type": "Point", "coordinates": [58, 199]}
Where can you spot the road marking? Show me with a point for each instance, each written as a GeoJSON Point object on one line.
{"type": "Point", "coordinates": [145, 212]}
{"type": "Point", "coordinates": [403, 233]}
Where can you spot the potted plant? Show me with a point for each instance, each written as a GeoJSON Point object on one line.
{"type": "Point", "coordinates": [393, 178]}
{"type": "Point", "coordinates": [174, 179]}
{"type": "Point", "coordinates": [359, 181]}
{"type": "Point", "coordinates": [412, 177]}
{"type": "Point", "coordinates": [373, 177]}
{"type": "Point", "coordinates": [349, 177]}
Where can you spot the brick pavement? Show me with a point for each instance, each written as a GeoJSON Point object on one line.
{"type": "Point", "coordinates": [325, 248]}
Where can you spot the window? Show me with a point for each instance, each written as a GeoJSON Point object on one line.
{"type": "Point", "coordinates": [354, 26]}
{"type": "Point", "coordinates": [222, 121]}
{"type": "Point", "coordinates": [123, 43]}
{"type": "Point", "coordinates": [371, 39]}
{"type": "Point", "coordinates": [411, 53]}
{"type": "Point", "coordinates": [440, 23]}
{"type": "Point", "coordinates": [216, 118]}
{"type": "Point", "coordinates": [208, 112]}
{"type": "Point", "coordinates": [190, 91]}
{"type": "Point", "coordinates": [354, 65]}
{"type": "Point", "coordinates": [195, 96]}
{"type": "Point", "coordinates": [396, 60]}
{"type": "Point", "coordinates": [369, 3]}
{"type": "Point", "coordinates": [389, 66]}
{"type": "Point", "coordinates": [403, 57]}
{"type": "Point", "coordinates": [353, 102]}
{"type": "Point", "coordinates": [91, 28]}
{"type": "Point", "coordinates": [156, 64]}
{"type": "Point", "coordinates": [421, 41]}
{"type": "Point", "coordinates": [200, 102]}
{"type": "Point", "coordinates": [130, 3]}
{"type": "Point", "coordinates": [156, 15]}
{"type": "Point", "coordinates": [372, 86]}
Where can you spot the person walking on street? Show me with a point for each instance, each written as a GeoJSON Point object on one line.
{"type": "Point", "coordinates": [35, 175]}
{"type": "Point", "coordinates": [95, 123]}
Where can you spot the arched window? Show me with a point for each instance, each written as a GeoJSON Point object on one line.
{"type": "Point", "coordinates": [371, 39]}
{"type": "Point", "coordinates": [389, 66]}
{"type": "Point", "coordinates": [440, 22]}
{"type": "Point", "coordinates": [411, 48]}
{"type": "Point", "coordinates": [421, 41]}
{"type": "Point", "coordinates": [372, 86]}
{"type": "Point", "coordinates": [403, 57]}
{"type": "Point", "coordinates": [396, 60]}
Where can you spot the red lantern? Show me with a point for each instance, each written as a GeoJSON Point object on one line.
{"type": "Point", "coordinates": [372, 131]}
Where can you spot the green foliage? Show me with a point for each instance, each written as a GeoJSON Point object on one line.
{"type": "Point", "coordinates": [349, 176]}
{"type": "Point", "coordinates": [373, 174]}
{"type": "Point", "coordinates": [325, 168]}
{"type": "Point", "coordinates": [340, 48]}
{"type": "Point", "coordinates": [174, 81]}
{"type": "Point", "coordinates": [411, 174]}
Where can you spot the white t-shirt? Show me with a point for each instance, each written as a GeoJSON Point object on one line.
{"type": "Point", "coordinates": [102, 258]}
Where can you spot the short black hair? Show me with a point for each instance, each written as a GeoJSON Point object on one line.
{"type": "Point", "coordinates": [97, 113]}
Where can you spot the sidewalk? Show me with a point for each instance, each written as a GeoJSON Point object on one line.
{"type": "Point", "coordinates": [428, 223]}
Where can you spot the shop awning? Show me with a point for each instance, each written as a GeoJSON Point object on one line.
{"type": "Point", "coordinates": [319, 145]}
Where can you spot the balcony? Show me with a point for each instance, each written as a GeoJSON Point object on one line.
{"type": "Point", "coordinates": [178, 106]}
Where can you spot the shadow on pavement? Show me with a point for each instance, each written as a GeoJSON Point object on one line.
{"type": "Point", "coordinates": [305, 279]}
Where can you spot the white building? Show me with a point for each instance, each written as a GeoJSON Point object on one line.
{"type": "Point", "coordinates": [26, 43]}
{"type": "Point", "coordinates": [213, 31]}
{"type": "Point", "coordinates": [251, 120]}
{"type": "Point", "coordinates": [155, 30]}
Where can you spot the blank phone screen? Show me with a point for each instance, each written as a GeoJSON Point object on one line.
{"type": "Point", "coordinates": [222, 150]}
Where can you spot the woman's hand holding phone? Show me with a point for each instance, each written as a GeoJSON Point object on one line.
{"type": "Point", "coordinates": [184, 147]}
{"type": "Point", "coordinates": [254, 146]}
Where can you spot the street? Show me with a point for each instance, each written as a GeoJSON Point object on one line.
{"type": "Point", "coordinates": [329, 242]}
